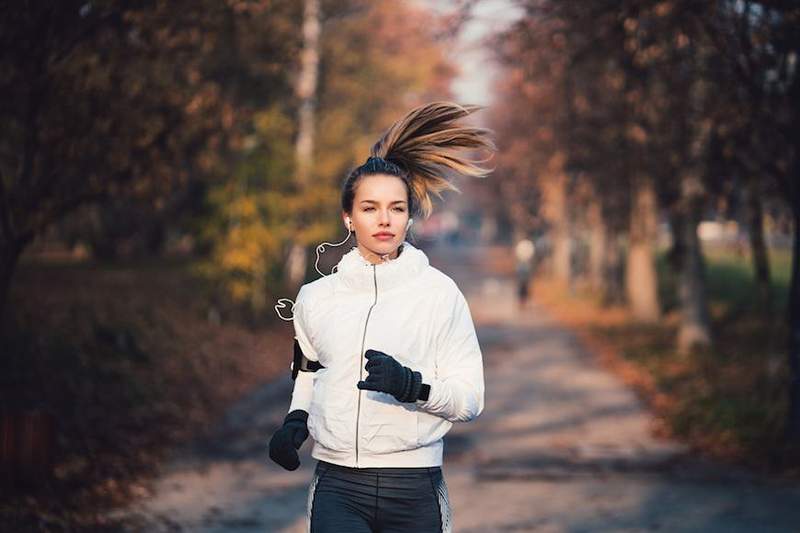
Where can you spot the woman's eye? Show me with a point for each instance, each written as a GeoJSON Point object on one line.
{"type": "Point", "coordinates": [398, 209]}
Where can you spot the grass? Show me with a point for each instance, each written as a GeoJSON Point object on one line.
{"type": "Point", "coordinates": [729, 401]}
{"type": "Point", "coordinates": [730, 281]}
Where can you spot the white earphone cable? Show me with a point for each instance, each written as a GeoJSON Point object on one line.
{"type": "Point", "coordinates": [320, 248]}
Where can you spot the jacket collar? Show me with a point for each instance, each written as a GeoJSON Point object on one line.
{"type": "Point", "coordinates": [357, 273]}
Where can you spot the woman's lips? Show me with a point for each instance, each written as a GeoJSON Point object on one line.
{"type": "Point", "coordinates": [383, 236]}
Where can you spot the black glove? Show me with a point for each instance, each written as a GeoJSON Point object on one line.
{"type": "Point", "coordinates": [386, 374]}
{"type": "Point", "coordinates": [287, 440]}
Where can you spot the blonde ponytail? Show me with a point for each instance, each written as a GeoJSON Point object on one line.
{"type": "Point", "coordinates": [422, 146]}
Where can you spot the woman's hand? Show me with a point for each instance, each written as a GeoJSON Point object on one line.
{"type": "Point", "coordinates": [287, 440]}
{"type": "Point", "coordinates": [387, 375]}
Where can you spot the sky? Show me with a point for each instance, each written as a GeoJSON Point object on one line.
{"type": "Point", "coordinates": [489, 16]}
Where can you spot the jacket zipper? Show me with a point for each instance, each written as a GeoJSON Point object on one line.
{"type": "Point", "coordinates": [361, 366]}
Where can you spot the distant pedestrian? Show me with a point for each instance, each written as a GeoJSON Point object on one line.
{"type": "Point", "coordinates": [524, 252]}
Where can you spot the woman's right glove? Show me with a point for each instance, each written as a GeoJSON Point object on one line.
{"type": "Point", "coordinates": [386, 374]}
{"type": "Point", "coordinates": [288, 438]}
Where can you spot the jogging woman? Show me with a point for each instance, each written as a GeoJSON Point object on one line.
{"type": "Point", "coordinates": [386, 355]}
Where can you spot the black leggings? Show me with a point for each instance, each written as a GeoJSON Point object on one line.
{"type": "Point", "coordinates": [378, 500]}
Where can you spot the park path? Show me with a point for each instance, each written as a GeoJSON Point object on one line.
{"type": "Point", "coordinates": [562, 446]}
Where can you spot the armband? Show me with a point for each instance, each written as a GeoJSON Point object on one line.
{"type": "Point", "coordinates": [424, 392]}
{"type": "Point", "coordinates": [301, 363]}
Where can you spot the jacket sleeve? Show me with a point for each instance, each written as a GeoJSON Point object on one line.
{"type": "Point", "coordinates": [456, 392]}
{"type": "Point", "coordinates": [304, 384]}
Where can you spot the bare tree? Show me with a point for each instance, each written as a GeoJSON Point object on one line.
{"type": "Point", "coordinates": [304, 146]}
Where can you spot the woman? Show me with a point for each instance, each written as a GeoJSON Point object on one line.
{"type": "Point", "coordinates": [386, 356]}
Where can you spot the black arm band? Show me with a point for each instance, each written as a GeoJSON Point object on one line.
{"type": "Point", "coordinates": [424, 392]}
{"type": "Point", "coordinates": [300, 363]}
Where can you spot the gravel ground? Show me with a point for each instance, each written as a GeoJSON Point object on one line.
{"type": "Point", "coordinates": [562, 446]}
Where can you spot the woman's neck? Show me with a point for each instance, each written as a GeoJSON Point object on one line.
{"type": "Point", "coordinates": [376, 259]}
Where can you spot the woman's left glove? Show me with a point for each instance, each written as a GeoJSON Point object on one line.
{"type": "Point", "coordinates": [287, 440]}
{"type": "Point", "coordinates": [387, 375]}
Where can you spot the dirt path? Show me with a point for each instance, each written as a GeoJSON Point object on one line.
{"type": "Point", "coordinates": [562, 446]}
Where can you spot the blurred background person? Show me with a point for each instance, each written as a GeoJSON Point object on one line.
{"type": "Point", "coordinates": [524, 252]}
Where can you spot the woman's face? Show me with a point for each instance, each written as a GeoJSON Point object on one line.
{"type": "Point", "coordinates": [380, 215]}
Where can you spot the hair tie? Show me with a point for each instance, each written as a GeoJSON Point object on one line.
{"type": "Point", "coordinates": [374, 161]}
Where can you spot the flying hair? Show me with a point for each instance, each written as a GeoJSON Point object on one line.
{"type": "Point", "coordinates": [426, 142]}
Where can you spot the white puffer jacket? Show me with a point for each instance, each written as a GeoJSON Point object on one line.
{"type": "Point", "coordinates": [405, 308]}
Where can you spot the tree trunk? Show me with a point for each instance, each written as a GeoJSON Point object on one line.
{"type": "Point", "coordinates": [641, 281]}
{"type": "Point", "coordinates": [678, 248]}
{"type": "Point", "coordinates": [307, 92]}
{"type": "Point", "coordinates": [613, 271]}
{"type": "Point", "coordinates": [562, 262]}
{"type": "Point", "coordinates": [562, 259]}
{"type": "Point", "coordinates": [554, 209]}
{"type": "Point", "coordinates": [758, 247]}
{"type": "Point", "coordinates": [695, 327]}
{"type": "Point", "coordinates": [296, 264]}
{"type": "Point", "coordinates": [793, 312]}
{"type": "Point", "coordinates": [304, 146]}
{"type": "Point", "coordinates": [9, 256]}
{"type": "Point", "coordinates": [597, 245]}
